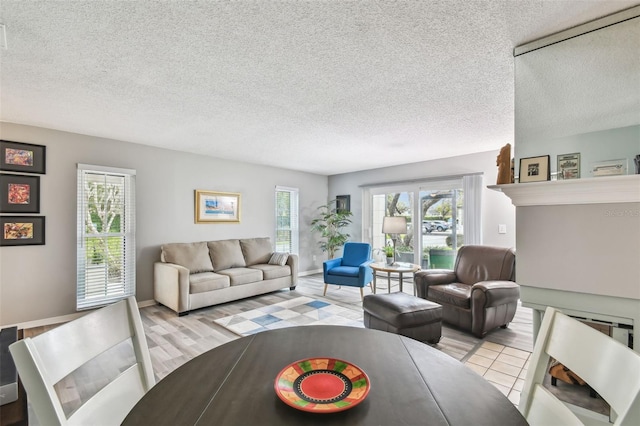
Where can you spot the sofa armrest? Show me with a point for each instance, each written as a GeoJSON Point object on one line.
{"type": "Point", "coordinates": [493, 304]}
{"type": "Point", "coordinates": [494, 293]}
{"type": "Point", "coordinates": [171, 286]}
{"type": "Point", "coordinates": [292, 261]}
{"type": "Point", "coordinates": [423, 279]}
{"type": "Point", "coordinates": [331, 263]}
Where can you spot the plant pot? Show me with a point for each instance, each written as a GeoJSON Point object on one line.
{"type": "Point", "coordinates": [442, 259]}
{"type": "Point", "coordinates": [390, 260]}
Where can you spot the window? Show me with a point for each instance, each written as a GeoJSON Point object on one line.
{"type": "Point", "coordinates": [442, 215]}
{"type": "Point", "coordinates": [106, 246]}
{"type": "Point", "coordinates": [286, 219]}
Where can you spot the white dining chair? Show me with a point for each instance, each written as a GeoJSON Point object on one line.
{"type": "Point", "coordinates": [608, 366]}
{"type": "Point", "coordinates": [44, 360]}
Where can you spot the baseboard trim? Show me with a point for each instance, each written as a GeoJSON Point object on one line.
{"type": "Point", "coordinates": [64, 318]}
{"type": "Point", "coordinates": [312, 272]}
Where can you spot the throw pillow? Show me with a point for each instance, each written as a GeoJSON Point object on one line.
{"type": "Point", "coordinates": [256, 250]}
{"type": "Point", "coordinates": [279, 259]}
{"type": "Point", "coordinates": [193, 256]}
{"type": "Point", "coordinates": [226, 254]}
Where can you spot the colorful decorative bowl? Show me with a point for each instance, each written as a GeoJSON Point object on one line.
{"type": "Point", "coordinates": [322, 385]}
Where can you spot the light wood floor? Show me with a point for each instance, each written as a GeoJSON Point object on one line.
{"type": "Point", "coordinates": [175, 340]}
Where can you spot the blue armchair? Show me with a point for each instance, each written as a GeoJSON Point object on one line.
{"type": "Point", "coordinates": [352, 269]}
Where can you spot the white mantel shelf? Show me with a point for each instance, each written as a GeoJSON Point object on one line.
{"type": "Point", "coordinates": [610, 189]}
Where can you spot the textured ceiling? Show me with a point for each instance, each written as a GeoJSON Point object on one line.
{"type": "Point", "coordinates": [322, 86]}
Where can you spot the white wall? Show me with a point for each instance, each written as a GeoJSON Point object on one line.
{"type": "Point", "coordinates": [581, 95]}
{"type": "Point", "coordinates": [39, 282]}
{"type": "Point", "coordinates": [496, 208]}
{"type": "Point", "coordinates": [583, 248]}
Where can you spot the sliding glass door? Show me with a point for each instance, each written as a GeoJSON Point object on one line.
{"type": "Point", "coordinates": [441, 209]}
{"type": "Point", "coordinates": [437, 214]}
{"type": "Point", "coordinates": [394, 204]}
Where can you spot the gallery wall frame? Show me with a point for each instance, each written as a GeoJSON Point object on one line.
{"type": "Point", "coordinates": [19, 193]}
{"type": "Point", "coordinates": [569, 166]}
{"type": "Point", "coordinates": [535, 169]}
{"type": "Point", "coordinates": [22, 230]}
{"type": "Point", "coordinates": [343, 203]}
{"type": "Point", "coordinates": [23, 157]}
{"type": "Point", "coordinates": [609, 168]}
{"type": "Point", "coordinates": [217, 207]}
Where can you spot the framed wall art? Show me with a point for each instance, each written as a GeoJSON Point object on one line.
{"type": "Point", "coordinates": [343, 203]}
{"type": "Point", "coordinates": [22, 157]}
{"type": "Point", "coordinates": [609, 168]}
{"type": "Point", "coordinates": [534, 169]}
{"type": "Point", "coordinates": [22, 230]}
{"type": "Point", "coordinates": [215, 207]}
{"type": "Point", "coordinates": [569, 166]}
{"type": "Point", "coordinates": [19, 194]}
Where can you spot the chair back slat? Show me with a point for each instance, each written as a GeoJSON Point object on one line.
{"type": "Point", "coordinates": [71, 345]}
{"type": "Point", "coordinates": [44, 360]}
{"type": "Point", "coordinates": [546, 409]}
{"type": "Point", "coordinates": [123, 392]}
{"type": "Point", "coordinates": [598, 359]}
{"type": "Point", "coordinates": [608, 366]}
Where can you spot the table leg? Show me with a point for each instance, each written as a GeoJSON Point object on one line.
{"type": "Point", "coordinates": [374, 283]}
{"type": "Point", "coordinates": [389, 282]}
{"type": "Point", "coordinates": [400, 273]}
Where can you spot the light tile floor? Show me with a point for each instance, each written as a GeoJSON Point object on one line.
{"type": "Point", "coordinates": [502, 366]}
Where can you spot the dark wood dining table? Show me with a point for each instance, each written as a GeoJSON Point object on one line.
{"type": "Point", "coordinates": [411, 384]}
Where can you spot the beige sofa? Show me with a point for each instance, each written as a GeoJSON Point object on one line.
{"type": "Point", "coordinates": [195, 275]}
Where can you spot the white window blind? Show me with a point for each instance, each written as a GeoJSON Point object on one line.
{"type": "Point", "coordinates": [106, 246]}
{"type": "Point", "coordinates": [287, 219]}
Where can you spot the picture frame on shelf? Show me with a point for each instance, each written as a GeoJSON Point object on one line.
{"type": "Point", "coordinates": [22, 230]}
{"type": "Point", "coordinates": [217, 207]}
{"type": "Point", "coordinates": [19, 193]}
{"type": "Point", "coordinates": [23, 157]}
{"type": "Point", "coordinates": [343, 203]}
{"type": "Point", "coordinates": [535, 169]}
{"type": "Point", "coordinates": [569, 166]}
{"type": "Point", "coordinates": [609, 168]}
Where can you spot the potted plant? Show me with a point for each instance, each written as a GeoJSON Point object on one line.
{"type": "Point", "coordinates": [388, 251]}
{"type": "Point", "coordinates": [404, 253]}
{"type": "Point", "coordinates": [425, 258]}
{"type": "Point", "coordinates": [329, 224]}
{"type": "Point", "coordinates": [441, 257]}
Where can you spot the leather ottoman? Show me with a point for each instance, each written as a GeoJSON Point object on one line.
{"type": "Point", "coordinates": [404, 314]}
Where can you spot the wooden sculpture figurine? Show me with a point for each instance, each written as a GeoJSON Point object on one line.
{"type": "Point", "coordinates": [504, 165]}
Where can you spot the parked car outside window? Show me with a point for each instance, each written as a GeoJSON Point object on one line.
{"type": "Point", "coordinates": [427, 227]}
{"type": "Point", "coordinates": [439, 225]}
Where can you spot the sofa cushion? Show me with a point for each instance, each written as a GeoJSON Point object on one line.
{"type": "Point", "coordinates": [256, 250]}
{"type": "Point", "coordinates": [239, 276]}
{"type": "Point", "coordinates": [193, 256]}
{"type": "Point", "coordinates": [207, 281]}
{"type": "Point", "coordinates": [270, 272]}
{"type": "Point", "coordinates": [278, 259]}
{"type": "Point", "coordinates": [345, 271]}
{"type": "Point", "coordinates": [456, 294]}
{"type": "Point", "coordinates": [226, 254]}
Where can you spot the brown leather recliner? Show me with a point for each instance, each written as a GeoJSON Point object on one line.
{"type": "Point", "coordinates": [479, 294]}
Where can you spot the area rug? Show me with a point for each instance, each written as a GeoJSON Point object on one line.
{"type": "Point", "coordinates": [289, 313]}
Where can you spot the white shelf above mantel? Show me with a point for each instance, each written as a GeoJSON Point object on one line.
{"type": "Point", "coordinates": [610, 189]}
